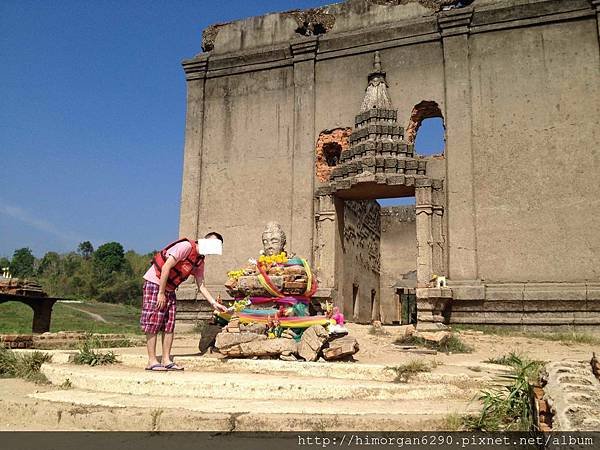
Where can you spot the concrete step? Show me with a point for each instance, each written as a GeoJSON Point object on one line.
{"type": "Point", "coordinates": [270, 414]}
{"type": "Point", "coordinates": [474, 373]}
{"type": "Point", "coordinates": [85, 411]}
{"type": "Point", "coordinates": [275, 405]}
{"type": "Point", "coordinates": [214, 385]}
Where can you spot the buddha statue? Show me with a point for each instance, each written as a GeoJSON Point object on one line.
{"type": "Point", "coordinates": [273, 239]}
{"type": "Point", "coordinates": [275, 273]}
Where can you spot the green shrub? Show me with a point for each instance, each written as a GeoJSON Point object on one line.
{"type": "Point", "coordinates": [405, 372]}
{"type": "Point", "coordinates": [23, 365]}
{"type": "Point", "coordinates": [508, 408]}
{"type": "Point", "coordinates": [87, 354]}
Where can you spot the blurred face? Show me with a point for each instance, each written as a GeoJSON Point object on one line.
{"type": "Point", "coordinates": [272, 243]}
{"type": "Point", "coordinates": [199, 247]}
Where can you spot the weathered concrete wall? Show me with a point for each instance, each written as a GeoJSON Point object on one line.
{"type": "Point", "coordinates": [536, 160]}
{"type": "Point", "coordinates": [415, 73]}
{"type": "Point", "coordinates": [360, 267]}
{"type": "Point", "coordinates": [246, 163]}
{"type": "Point", "coordinates": [398, 255]}
{"type": "Point", "coordinates": [279, 28]}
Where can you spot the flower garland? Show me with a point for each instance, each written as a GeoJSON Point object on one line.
{"type": "Point", "coordinates": [269, 260]}
{"type": "Point", "coordinates": [235, 274]}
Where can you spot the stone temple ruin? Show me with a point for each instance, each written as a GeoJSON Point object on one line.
{"type": "Point", "coordinates": [281, 128]}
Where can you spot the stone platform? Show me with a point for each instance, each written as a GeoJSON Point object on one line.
{"type": "Point", "coordinates": [242, 395]}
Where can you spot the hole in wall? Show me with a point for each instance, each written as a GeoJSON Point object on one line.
{"type": "Point", "coordinates": [354, 299]}
{"type": "Point", "coordinates": [399, 201]}
{"type": "Point", "coordinates": [332, 152]}
{"type": "Point", "coordinates": [329, 148]}
{"type": "Point", "coordinates": [311, 29]}
{"type": "Point", "coordinates": [426, 129]}
{"type": "Point", "coordinates": [374, 314]}
{"type": "Point", "coordinates": [430, 139]}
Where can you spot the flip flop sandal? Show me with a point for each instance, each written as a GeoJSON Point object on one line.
{"type": "Point", "coordinates": [157, 368]}
{"type": "Point", "coordinates": [173, 366]}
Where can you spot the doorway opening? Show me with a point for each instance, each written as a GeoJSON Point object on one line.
{"type": "Point", "coordinates": [398, 258]}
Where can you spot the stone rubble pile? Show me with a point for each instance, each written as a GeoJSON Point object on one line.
{"type": "Point", "coordinates": [246, 341]}
{"type": "Point", "coordinates": [60, 340]}
{"type": "Point", "coordinates": [17, 286]}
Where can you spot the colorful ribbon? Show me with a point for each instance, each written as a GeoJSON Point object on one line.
{"type": "Point", "coordinates": [265, 282]}
{"type": "Point", "coordinates": [289, 300]}
{"type": "Point", "coordinates": [311, 286]}
{"type": "Point", "coordinates": [285, 322]}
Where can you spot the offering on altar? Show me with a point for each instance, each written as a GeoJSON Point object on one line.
{"type": "Point", "coordinates": [336, 319]}
{"type": "Point", "coordinates": [270, 315]}
{"type": "Point", "coordinates": [275, 287]}
{"type": "Point", "coordinates": [274, 274]}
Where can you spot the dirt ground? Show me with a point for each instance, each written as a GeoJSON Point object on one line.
{"type": "Point", "coordinates": [17, 407]}
{"type": "Point", "coordinates": [379, 348]}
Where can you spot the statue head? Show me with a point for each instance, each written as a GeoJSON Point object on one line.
{"type": "Point", "coordinates": [273, 239]}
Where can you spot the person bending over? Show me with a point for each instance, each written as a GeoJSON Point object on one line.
{"type": "Point", "coordinates": [171, 267]}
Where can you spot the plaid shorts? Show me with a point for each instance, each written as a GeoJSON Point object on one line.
{"type": "Point", "coordinates": [154, 320]}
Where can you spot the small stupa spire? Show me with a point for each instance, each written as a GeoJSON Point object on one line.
{"type": "Point", "coordinates": [376, 95]}
{"type": "Point", "coordinates": [377, 63]}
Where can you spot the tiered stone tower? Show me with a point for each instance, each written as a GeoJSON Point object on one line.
{"type": "Point", "coordinates": [378, 151]}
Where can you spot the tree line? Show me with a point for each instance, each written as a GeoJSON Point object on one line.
{"type": "Point", "coordinates": [107, 274]}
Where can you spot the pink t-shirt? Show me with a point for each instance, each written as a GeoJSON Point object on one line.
{"type": "Point", "coordinates": [178, 251]}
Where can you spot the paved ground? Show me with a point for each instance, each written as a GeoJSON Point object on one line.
{"type": "Point", "coordinates": [221, 395]}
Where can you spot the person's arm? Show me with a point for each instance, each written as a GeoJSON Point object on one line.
{"type": "Point", "coordinates": [207, 295]}
{"type": "Point", "coordinates": [164, 277]}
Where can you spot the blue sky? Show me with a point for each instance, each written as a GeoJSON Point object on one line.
{"type": "Point", "coordinates": [92, 117]}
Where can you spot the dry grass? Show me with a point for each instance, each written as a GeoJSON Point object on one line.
{"type": "Point", "coordinates": [23, 365]}
{"type": "Point", "coordinates": [452, 345]}
{"type": "Point", "coordinates": [405, 372]}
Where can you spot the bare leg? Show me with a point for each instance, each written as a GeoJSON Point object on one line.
{"type": "Point", "coordinates": [151, 347]}
{"type": "Point", "coordinates": [167, 343]}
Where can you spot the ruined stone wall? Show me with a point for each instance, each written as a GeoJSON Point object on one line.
{"type": "Point", "coordinates": [361, 259]}
{"type": "Point", "coordinates": [246, 163]}
{"type": "Point", "coordinates": [415, 73]}
{"type": "Point", "coordinates": [536, 163]}
{"type": "Point", "coordinates": [398, 255]}
{"type": "Point", "coordinates": [518, 85]}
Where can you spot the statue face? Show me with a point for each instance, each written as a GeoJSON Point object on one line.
{"type": "Point", "coordinates": [272, 243]}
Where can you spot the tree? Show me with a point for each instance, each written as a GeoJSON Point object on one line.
{"type": "Point", "coordinates": [49, 265]}
{"type": "Point", "coordinates": [4, 262]}
{"type": "Point", "coordinates": [85, 249]}
{"type": "Point", "coordinates": [107, 259]}
{"type": "Point", "coordinates": [22, 263]}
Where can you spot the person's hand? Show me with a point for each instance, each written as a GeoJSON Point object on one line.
{"type": "Point", "coordinates": [161, 302]}
{"type": "Point", "coordinates": [219, 307]}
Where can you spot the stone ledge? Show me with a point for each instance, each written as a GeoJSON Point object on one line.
{"type": "Point", "coordinates": [467, 290]}
{"type": "Point", "coordinates": [554, 291]}
{"type": "Point", "coordinates": [434, 293]}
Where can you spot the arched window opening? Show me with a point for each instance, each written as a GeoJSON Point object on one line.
{"type": "Point", "coordinates": [430, 139]}
{"type": "Point", "coordinates": [426, 129]}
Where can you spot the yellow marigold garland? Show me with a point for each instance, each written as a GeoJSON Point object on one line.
{"type": "Point", "coordinates": [309, 276]}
